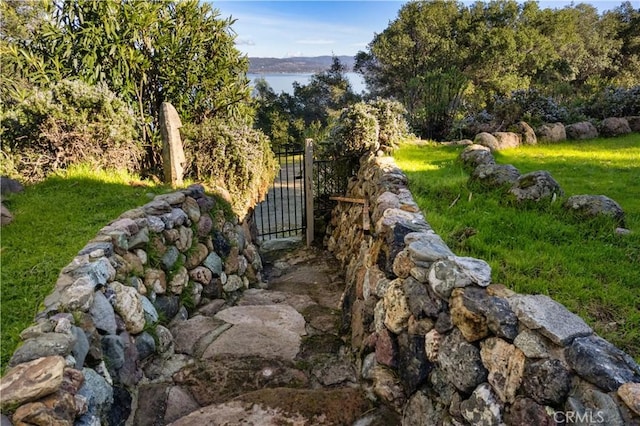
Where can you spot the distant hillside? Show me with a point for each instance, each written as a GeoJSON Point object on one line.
{"type": "Point", "coordinates": [296, 64]}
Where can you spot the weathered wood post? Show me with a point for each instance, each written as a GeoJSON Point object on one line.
{"type": "Point", "coordinates": [308, 188]}
{"type": "Point", "coordinates": [173, 158]}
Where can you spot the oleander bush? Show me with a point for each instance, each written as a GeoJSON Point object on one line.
{"type": "Point", "coordinates": [71, 122]}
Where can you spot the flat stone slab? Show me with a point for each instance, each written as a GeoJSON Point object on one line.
{"type": "Point", "coordinates": [282, 317]}
{"type": "Point", "coordinates": [550, 318]}
{"type": "Point", "coordinates": [254, 339]}
{"type": "Point", "coordinates": [257, 296]}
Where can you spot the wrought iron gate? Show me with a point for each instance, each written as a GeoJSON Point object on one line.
{"type": "Point", "coordinates": [302, 184]}
{"type": "Point", "coordinates": [282, 213]}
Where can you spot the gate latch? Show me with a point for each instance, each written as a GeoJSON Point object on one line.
{"type": "Point", "coordinates": [365, 209]}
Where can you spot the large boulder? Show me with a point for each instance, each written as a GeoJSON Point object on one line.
{"type": "Point", "coordinates": [507, 140]}
{"type": "Point", "coordinates": [634, 123]}
{"type": "Point", "coordinates": [527, 135]}
{"type": "Point", "coordinates": [582, 130]}
{"type": "Point", "coordinates": [475, 155]}
{"type": "Point", "coordinates": [488, 140]}
{"type": "Point", "coordinates": [589, 206]}
{"type": "Point", "coordinates": [552, 132]}
{"type": "Point", "coordinates": [495, 175]}
{"type": "Point", "coordinates": [536, 186]}
{"type": "Point", "coordinates": [614, 126]}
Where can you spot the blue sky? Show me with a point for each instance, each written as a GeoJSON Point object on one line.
{"type": "Point", "coordinates": [313, 28]}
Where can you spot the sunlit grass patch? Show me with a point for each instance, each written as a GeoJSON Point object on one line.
{"type": "Point", "coordinates": [53, 221]}
{"type": "Point", "coordinates": [544, 249]}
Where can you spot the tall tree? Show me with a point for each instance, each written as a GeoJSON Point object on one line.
{"type": "Point", "coordinates": [146, 51]}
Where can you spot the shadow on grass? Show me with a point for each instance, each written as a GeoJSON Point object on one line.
{"type": "Point", "coordinates": [54, 219]}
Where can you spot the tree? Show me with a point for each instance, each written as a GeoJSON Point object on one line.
{"type": "Point", "coordinates": [146, 51]}
{"type": "Point", "coordinates": [499, 47]}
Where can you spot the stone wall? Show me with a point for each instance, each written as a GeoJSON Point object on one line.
{"type": "Point", "coordinates": [441, 344]}
{"type": "Point", "coordinates": [111, 306]}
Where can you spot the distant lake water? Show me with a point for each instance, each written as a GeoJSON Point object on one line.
{"type": "Point", "coordinates": [284, 82]}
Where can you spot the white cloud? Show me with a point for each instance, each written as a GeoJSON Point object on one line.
{"type": "Point", "coordinates": [315, 41]}
{"type": "Point", "coordinates": [245, 42]}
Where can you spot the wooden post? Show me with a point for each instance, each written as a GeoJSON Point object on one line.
{"type": "Point", "coordinates": [308, 188]}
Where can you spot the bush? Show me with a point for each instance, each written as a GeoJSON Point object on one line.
{"type": "Point", "coordinates": [232, 156]}
{"type": "Point", "coordinates": [393, 125]}
{"type": "Point", "coordinates": [613, 102]}
{"type": "Point", "coordinates": [530, 106]}
{"type": "Point", "coordinates": [355, 132]}
{"type": "Point", "coordinates": [69, 123]}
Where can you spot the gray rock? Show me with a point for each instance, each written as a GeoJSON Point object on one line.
{"type": "Point", "coordinates": [234, 283]}
{"type": "Point", "coordinates": [98, 394]}
{"type": "Point", "coordinates": [461, 362]}
{"type": "Point", "coordinates": [590, 206]}
{"type": "Point", "coordinates": [552, 132]}
{"type": "Point", "coordinates": [155, 224]}
{"type": "Point", "coordinates": [80, 347]}
{"type": "Point", "coordinates": [170, 258]}
{"type": "Point", "coordinates": [419, 408]}
{"type": "Point", "coordinates": [175, 218]}
{"type": "Point", "coordinates": [413, 367]}
{"type": "Point", "coordinates": [280, 244]}
{"type": "Point", "coordinates": [145, 344]}
{"type": "Point", "coordinates": [476, 155]}
{"type": "Point", "coordinates": [179, 404]}
{"type": "Point", "coordinates": [482, 408]}
{"type": "Point", "coordinates": [501, 320]}
{"type": "Point", "coordinates": [99, 271]}
{"type": "Point", "coordinates": [549, 318]}
{"type": "Point", "coordinates": [582, 130]}
{"type": "Point", "coordinates": [47, 344]}
{"type": "Point", "coordinates": [140, 239]}
{"type": "Point", "coordinates": [172, 198]}
{"type": "Point", "coordinates": [103, 314]}
{"type": "Point", "coordinates": [167, 305]}
{"type": "Point", "coordinates": [493, 176]}
{"type": "Point", "coordinates": [532, 344]}
{"type": "Point", "coordinates": [113, 349]}
{"type": "Point", "coordinates": [187, 333]}
{"type": "Point", "coordinates": [458, 272]}
{"type": "Point", "coordinates": [536, 186]}
{"type": "Point", "coordinates": [507, 140]}
{"type": "Point", "coordinates": [427, 247]}
{"type": "Point", "coordinates": [488, 140]}
{"type": "Point", "coordinates": [214, 263]}
{"type": "Point", "coordinates": [8, 185]}
{"type": "Point", "coordinates": [614, 126]}
{"type": "Point", "coordinates": [546, 381]}
{"type": "Point", "coordinates": [421, 303]}
{"type": "Point", "coordinates": [599, 362]}
{"type": "Point", "coordinates": [105, 246]}
{"type": "Point", "coordinates": [592, 405]}
{"type": "Point", "coordinates": [527, 135]}
{"type": "Point", "coordinates": [150, 312]}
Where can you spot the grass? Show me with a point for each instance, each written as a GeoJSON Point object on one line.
{"type": "Point", "coordinates": [53, 221]}
{"type": "Point", "coordinates": [543, 249]}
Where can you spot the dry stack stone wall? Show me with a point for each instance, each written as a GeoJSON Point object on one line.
{"type": "Point", "coordinates": [441, 344]}
{"type": "Point", "coordinates": [103, 321]}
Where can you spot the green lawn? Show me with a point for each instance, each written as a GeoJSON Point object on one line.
{"type": "Point", "coordinates": [543, 249]}
{"type": "Point", "coordinates": [53, 221]}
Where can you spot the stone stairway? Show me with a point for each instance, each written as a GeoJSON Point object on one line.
{"type": "Point", "coordinates": [276, 357]}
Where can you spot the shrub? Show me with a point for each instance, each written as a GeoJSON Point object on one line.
{"type": "Point", "coordinates": [613, 102]}
{"type": "Point", "coordinates": [530, 106]}
{"type": "Point", "coordinates": [355, 132]}
{"type": "Point", "coordinates": [232, 156]}
{"type": "Point", "coordinates": [71, 122]}
{"type": "Point", "coordinates": [391, 120]}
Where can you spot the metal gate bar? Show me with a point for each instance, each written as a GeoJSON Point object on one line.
{"type": "Point", "coordinates": [282, 212]}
